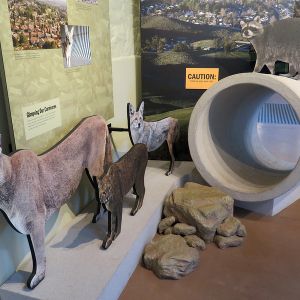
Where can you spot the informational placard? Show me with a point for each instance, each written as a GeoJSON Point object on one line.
{"type": "Point", "coordinates": [201, 78]}
{"type": "Point", "coordinates": [41, 118]}
{"type": "Point", "coordinates": [54, 49]}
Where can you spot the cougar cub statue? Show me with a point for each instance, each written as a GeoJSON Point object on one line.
{"type": "Point", "coordinates": [153, 134]}
{"type": "Point", "coordinates": [279, 41]}
{"type": "Point", "coordinates": [32, 187]}
{"type": "Point", "coordinates": [127, 172]}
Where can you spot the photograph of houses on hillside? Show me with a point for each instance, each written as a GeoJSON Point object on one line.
{"type": "Point", "coordinates": [36, 24]}
{"type": "Point", "coordinates": [180, 34]}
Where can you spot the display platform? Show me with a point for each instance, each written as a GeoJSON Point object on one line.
{"type": "Point", "coordinates": [76, 266]}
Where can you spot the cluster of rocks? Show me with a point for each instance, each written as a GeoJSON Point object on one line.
{"type": "Point", "coordinates": [193, 216]}
{"type": "Point", "coordinates": [187, 231]}
{"type": "Point", "coordinates": [230, 233]}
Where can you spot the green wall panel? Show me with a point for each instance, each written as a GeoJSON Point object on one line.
{"type": "Point", "coordinates": [34, 76]}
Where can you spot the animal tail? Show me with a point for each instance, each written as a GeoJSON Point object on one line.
{"type": "Point", "coordinates": [108, 151]}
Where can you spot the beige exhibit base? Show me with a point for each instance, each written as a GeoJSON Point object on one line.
{"type": "Point", "coordinates": [226, 149]}
{"type": "Point", "coordinates": [78, 269]}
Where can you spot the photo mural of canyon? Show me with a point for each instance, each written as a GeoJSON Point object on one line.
{"type": "Point", "coordinates": [180, 34]}
{"type": "Point", "coordinates": [36, 24]}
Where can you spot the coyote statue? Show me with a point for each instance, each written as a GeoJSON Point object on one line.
{"type": "Point", "coordinates": [153, 134]}
{"type": "Point", "coordinates": [32, 187]}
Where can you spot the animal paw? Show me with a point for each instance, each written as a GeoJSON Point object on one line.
{"type": "Point", "coordinates": [297, 77]}
{"type": "Point", "coordinates": [96, 218]}
{"type": "Point", "coordinates": [168, 173]}
{"type": "Point", "coordinates": [288, 75]}
{"type": "Point", "coordinates": [106, 243]}
{"type": "Point", "coordinates": [33, 281]}
{"type": "Point", "coordinates": [134, 211]}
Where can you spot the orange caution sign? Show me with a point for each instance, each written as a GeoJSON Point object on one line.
{"type": "Point", "coordinates": [201, 78]}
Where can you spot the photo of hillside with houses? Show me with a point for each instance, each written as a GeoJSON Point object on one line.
{"type": "Point", "coordinates": [35, 24]}
{"type": "Point", "coordinates": [180, 34]}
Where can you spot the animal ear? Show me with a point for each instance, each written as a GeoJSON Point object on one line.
{"type": "Point", "coordinates": [243, 24]}
{"type": "Point", "coordinates": [131, 109]}
{"type": "Point", "coordinates": [257, 19]}
{"type": "Point", "coordinates": [141, 109]}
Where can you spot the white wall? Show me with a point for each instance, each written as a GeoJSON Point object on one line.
{"type": "Point", "coordinates": [126, 63]}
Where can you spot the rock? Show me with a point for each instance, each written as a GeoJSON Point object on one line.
{"type": "Point", "coordinates": [229, 227]}
{"type": "Point", "coordinates": [225, 242]}
{"type": "Point", "coordinates": [242, 232]}
{"type": "Point", "coordinates": [165, 223]}
{"type": "Point", "coordinates": [195, 242]}
{"type": "Point", "coordinates": [169, 256]}
{"type": "Point", "coordinates": [169, 230]}
{"type": "Point", "coordinates": [184, 229]}
{"type": "Point", "coordinates": [200, 206]}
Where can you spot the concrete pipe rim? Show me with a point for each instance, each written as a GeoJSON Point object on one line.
{"type": "Point", "coordinates": [284, 87]}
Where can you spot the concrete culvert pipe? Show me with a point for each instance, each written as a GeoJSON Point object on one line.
{"type": "Point", "coordinates": [244, 136]}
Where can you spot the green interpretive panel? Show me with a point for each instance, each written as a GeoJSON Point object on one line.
{"type": "Point", "coordinates": [56, 67]}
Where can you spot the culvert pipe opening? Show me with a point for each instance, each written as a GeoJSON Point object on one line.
{"type": "Point", "coordinates": [244, 136]}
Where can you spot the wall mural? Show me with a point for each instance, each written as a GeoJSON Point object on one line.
{"type": "Point", "coordinates": [188, 44]}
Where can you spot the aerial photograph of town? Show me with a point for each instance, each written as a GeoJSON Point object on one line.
{"type": "Point", "coordinates": [76, 46]}
{"type": "Point", "coordinates": [36, 24]}
{"type": "Point", "coordinates": [180, 34]}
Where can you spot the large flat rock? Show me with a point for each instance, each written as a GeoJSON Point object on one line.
{"type": "Point", "coordinates": [169, 257]}
{"type": "Point", "coordinates": [200, 206]}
